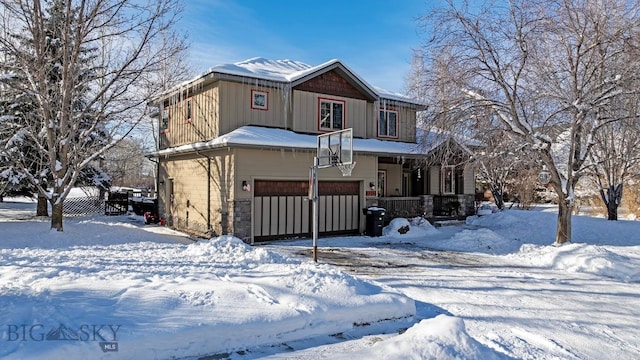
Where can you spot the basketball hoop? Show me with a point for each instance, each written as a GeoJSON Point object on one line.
{"type": "Point", "coordinates": [346, 169]}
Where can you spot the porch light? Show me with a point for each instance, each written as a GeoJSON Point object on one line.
{"type": "Point", "coordinates": [246, 186]}
{"type": "Point", "coordinates": [372, 186]}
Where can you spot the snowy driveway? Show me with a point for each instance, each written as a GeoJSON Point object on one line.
{"type": "Point", "coordinates": [522, 310]}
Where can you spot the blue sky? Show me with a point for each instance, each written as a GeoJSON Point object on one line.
{"type": "Point", "coordinates": [375, 38]}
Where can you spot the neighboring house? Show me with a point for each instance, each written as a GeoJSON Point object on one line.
{"type": "Point", "coordinates": [237, 143]}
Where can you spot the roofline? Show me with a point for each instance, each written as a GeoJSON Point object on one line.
{"type": "Point", "coordinates": [194, 150]}
{"type": "Point", "coordinates": [211, 76]}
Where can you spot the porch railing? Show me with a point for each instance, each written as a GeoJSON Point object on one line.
{"type": "Point", "coordinates": [401, 206]}
{"type": "Point", "coordinates": [428, 206]}
{"type": "Point", "coordinates": [446, 205]}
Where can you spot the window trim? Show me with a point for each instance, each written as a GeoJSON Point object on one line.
{"type": "Point", "coordinates": [165, 110]}
{"type": "Point", "coordinates": [387, 111]}
{"type": "Point", "coordinates": [188, 110]}
{"type": "Point", "coordinates": [258, 106]}
{"type": "Point", "coordinates": [331, 101]}
{"type": "Point", "coordinates": [452, 178]}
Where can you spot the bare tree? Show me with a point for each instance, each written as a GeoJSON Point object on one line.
{"type": "Point", "coordinates": [84, 63]}
{"type": "Point", "coordinates": [125, 162]}
{"type": "Point", "coordinates": [542, 68]}
{"type": "Point", "coordinates": [615, 159]}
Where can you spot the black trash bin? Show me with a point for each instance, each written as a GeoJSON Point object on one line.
{"type": "Point", "coordinates": [375, 221]}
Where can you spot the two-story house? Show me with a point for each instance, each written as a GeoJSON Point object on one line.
{"type": "Point", "coordinates": [237, 144]}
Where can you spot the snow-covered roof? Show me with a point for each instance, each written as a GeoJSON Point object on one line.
{"type": "Point", "coordinates": [292, 72]}
{"type": "Point", "coordinates": [255, 136]}
{"type": "Point", "coordinates": [261, 68]}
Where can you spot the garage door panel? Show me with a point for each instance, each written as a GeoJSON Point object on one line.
{"type": "Point", "coordinates": [274, 213]}
{"type": "Point", "coordinates": [322, 218]}
{"type": "Point", "coordinates": [282, 210]}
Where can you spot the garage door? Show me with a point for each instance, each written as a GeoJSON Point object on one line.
{"type": "Point", "coordinates": [281, 209]}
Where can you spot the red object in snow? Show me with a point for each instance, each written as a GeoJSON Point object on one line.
{"type": "Point", "coordinates": [150, 218]}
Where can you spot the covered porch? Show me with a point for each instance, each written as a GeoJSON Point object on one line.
{"type": "Point", "coordinates": [409, 188]}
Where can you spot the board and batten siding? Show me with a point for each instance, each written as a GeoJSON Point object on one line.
{"type": "Point", "coordinates": [202, 126]}
{"type": "Point", "coordinates": [236, 107]}
{"type": "Point", "coordinates": [306, 112]}
{"type": "Point", "coordinates": [406, 124]}
{"type": "Point", "coordinates": [469, 180]}
{"type": "Point", "coordinates": [434, 180]}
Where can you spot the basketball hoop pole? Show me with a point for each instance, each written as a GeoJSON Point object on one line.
{"type": "Point", "coordinates": [334, 149]}
{"type": "Point", "coordinates": [314, 175]}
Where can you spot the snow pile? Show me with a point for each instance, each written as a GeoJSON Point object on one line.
{"type": "Point", "coordinates": [528, 237]}
{"type": "Point", "coordinates": [403, 228]}
{"type": "Point", "coordinates": [443, 338]}
{"type": "Point", "coordinates": [582, 258]}
{"type": "Point", "coordinates": [230, 252]}
{"type": "Point", "coordinates": [115, 284]}
{"type": "Point", "coordinates": [483, 241]}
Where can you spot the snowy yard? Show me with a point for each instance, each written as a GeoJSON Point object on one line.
{"type": "Point", "coordinates": [492, 288]}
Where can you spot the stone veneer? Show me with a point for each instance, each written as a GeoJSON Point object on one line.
{"type": "Point", "coordinates": [240, 220]}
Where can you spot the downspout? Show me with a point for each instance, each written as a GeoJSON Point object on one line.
{"type": "Point", "coordinates": [209, 196]}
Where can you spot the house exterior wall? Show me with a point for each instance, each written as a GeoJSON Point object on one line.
{"type": "Point", "coordinates": [199, 205]}
{"type": "Point", "coordinates": [406, 121]}
{"type": "Point", "coordinates": [236, 108]}
{"type": "Point", "coordinates": [469, 180]}
{"type": "Point", "coordinates": [204, 122]}
{"type": "Point", "coordinates": [262, 164]}
{"type": "Point", "coordinates": [306, 112]}
{"type": "Point", "coordinates": [223, 106]}
{"type": "Point", "coordinates": [434, 180]}
{"type": "Point", "coordinates": [394, 178]}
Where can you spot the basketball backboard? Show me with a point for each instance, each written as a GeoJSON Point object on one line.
{"type": "Point", "coordinates": [335, 148]}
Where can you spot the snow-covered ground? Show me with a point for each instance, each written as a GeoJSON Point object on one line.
{"type": "Point", "coordinates": [494, 287]}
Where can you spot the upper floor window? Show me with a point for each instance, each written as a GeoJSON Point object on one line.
{"type": "Point", "coordinates": [164, 121]}
{"type": "Point", "coordinates": [331, 114]}
{"type": "Point", "coordinates": [259, 100]}
{"type": "Point", "coordinates": [388, 123]}
{"type": "Point", "coordinates": [188, 111]}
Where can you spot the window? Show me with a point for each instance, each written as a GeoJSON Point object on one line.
{"type": "Point", "coordinates": [388, 123]}
{"type": "Point", "coordinates": [164, 122]}
{"type": "Point", "coordinates": [259, 100]}
{"type": "Point", "coordinates": [382, 183]}
{"type": "Point", "coordinates": [331, 114]}
{"type": "Point", "coordinates": [188, 111]}
{"type": "Point", "coordinates": [448, 179]}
